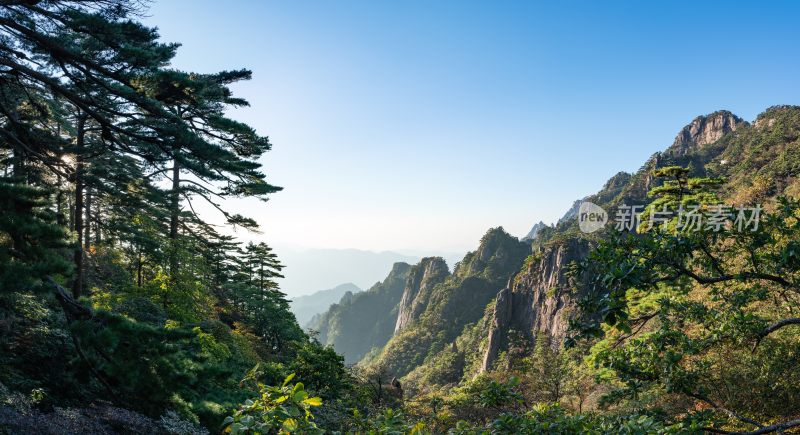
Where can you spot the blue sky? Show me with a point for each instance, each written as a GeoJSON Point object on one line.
{"type": "Point", "coordinates": [415, 125]}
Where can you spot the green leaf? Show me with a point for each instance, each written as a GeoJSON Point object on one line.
{"type": "Point", "coordinates": [313, 401]}
{"type": "Point", "coordinates": [300, 396]}
{"type": "Point", "coordinates": [290, 425]}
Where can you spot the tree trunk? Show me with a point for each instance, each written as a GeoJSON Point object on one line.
{"type": "Point", "coordinates": [97, 235]}
{"type": "Point", "coordinates": [139, 270]}
{"type": "Point", "coordinates": [71, 211]}
{"type": "Point", "coordinates": [87, 230]}
{"type": "Point", "coordinates": [174, 215]}
{"type": "Point", "coordinates": [20, 175]}
{"type": "Point", "coordinates": [77, 284]}
{"type": "Point", "coordinates": [18, 170]}
{"type": "Point", "coordinates": [61, 219]}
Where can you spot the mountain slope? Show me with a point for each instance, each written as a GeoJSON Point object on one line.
{"type": "Point", "coordinates": [436, 329]}
{"type": "Point", "coordinates": [306, 307]}
{"type": "Point", "coordinates": [759, 161]}
{"type": "Point", "coordinates": [438, 306]}
{"type": "Point", "coordinates": [364, 320]}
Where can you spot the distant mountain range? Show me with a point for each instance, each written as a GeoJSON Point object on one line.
{"type": "Point", "coordinates": [305, 307]}
{"type": "Point", "coordinates": [310, 270]}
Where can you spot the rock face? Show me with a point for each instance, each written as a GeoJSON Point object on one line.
{"type": "Point", "coordinates": [536, 301]}
{"type": "Point", "coordinates": [437, 306]}
{"type": "Point", "coordinates": [419, 286]}
{"type": "Point", "coordinates": [770, 117]}
{"type": "Point", "coordinates": [705, 130]}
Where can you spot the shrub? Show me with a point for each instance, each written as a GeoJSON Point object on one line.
{"type": "Point", "coordinates": [281, 410]}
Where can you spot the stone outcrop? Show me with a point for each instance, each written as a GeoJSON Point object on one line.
{"type": "Point", "coordinates": [536, 301]}
{"type": "Point", "coordinates": [705, 130]}
{"type": "Point", "coordinates": [419, 286]}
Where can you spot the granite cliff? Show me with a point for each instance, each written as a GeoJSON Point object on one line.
{"type": "Point", "coordinates": [417, 292]}
{"type": "Point", "coordinates": [537, 300]}
{"type": "Point", "coordinates": [438, 306]}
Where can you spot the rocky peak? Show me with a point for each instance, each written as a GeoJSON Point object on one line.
{"type": "Point", "coordinates": [498, 251]}
{"type": "Point", "coordinates": [705, 130]}
{"type": "Point", "coordinates": [619, 180]}
{"type": "Point", "coordinates": [534, 231]}
{"type": "Point", "coordinates": [419, 285]}
{"type": "Point", "coordinates": [399, 269]}
{"type": "Point", "coordinates": [572, 212]}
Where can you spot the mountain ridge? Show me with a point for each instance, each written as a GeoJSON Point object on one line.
{"type": "Point", "coordinates": [537, 301]}
{"type": "Point", "coordinates": [434, 344]}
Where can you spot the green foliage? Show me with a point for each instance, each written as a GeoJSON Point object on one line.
{"type": "Point", "coordinates": [685, 304]}
{"type": "Point", "coordinates": [552, 419]}
{"type": "Point", "coordinates": [389, 422]}
{"type": "Point", "coordinates": [283, 410]}
{"type": "Point", "coordinates": [322, 369]}
{"type": "Point", "coordinates": [30, 239]}
{"type": "Point", "coordinates": [145, 365]}
{"type": "Point", "coordinates": [497, 395]}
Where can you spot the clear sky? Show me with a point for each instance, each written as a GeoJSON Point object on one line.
{"type": "Point", "coordinates": [418, 125]}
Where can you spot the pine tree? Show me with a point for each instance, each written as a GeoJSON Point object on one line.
{"type": "Point", "coordinates": [214, 159]}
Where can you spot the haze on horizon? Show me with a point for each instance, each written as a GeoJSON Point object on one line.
{"type": "Point", "coordinates": [418, 126]}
